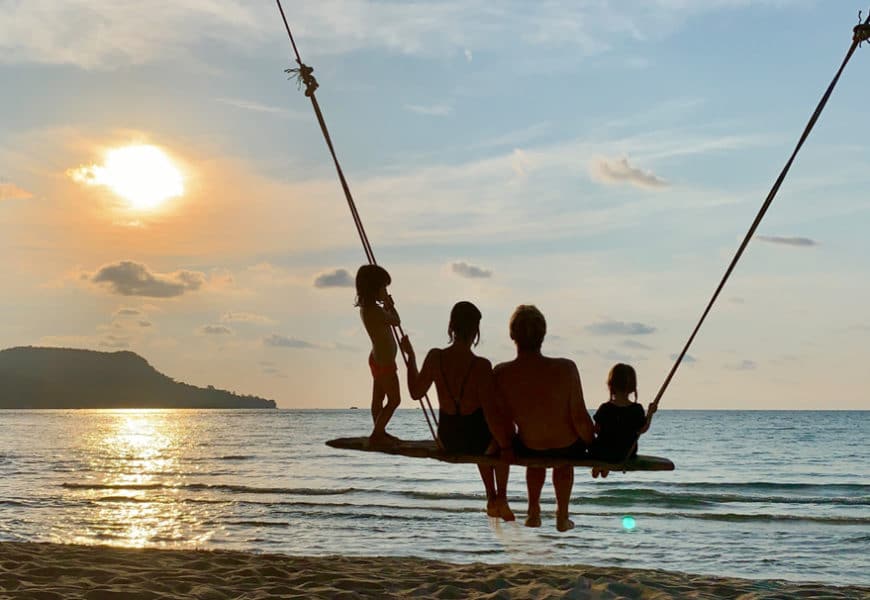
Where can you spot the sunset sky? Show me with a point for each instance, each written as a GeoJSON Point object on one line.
{"type": "Point", "coordinates": [601, 160]}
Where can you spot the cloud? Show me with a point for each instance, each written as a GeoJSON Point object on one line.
{"type": "Point", "coordinates": [337, 278]}
{"type": "Point", "coordinates": [261, 108]}
{"type": "Point", "coordinates": [619, 328]}
{"type": "Point", "coordinates": [469, 271]}
{"type": "Point", "coordinates": [610, 171]}
{"type": "Point", "coordinates": [469, 56]}
{"type": "Point", "coordinates": [743, 365]}
{"type": "Point", "coordinates": [245, 317]}
{"type": "Point", "coordinates": [803, 242]}
{"type": "Point", "coordinates": [636, 345]}
{"type": "Point", "coordinates": [281, 341]}
{"type": "Point", "coordinates": [127, 312]}
{"type": "Point", "coordinates": [144, 323]}
{"type": "Point", "coordinates": [215, 330]}
{"type": "Point", "coordinates": [10, 191]}
{"type": "Point", "coordinates": [129, 278]}
{"type": "Point", "coordinates": [115, 342]}
{"type": "Point", "coordinates": [687, 359]}
{"type": "Point", "coordinates": [434, 110]}
{"type": "Point", "coordinates": [519, 163]}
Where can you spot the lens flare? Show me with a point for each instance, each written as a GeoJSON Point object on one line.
{"type": "Point", "coordinates": [628, 523]}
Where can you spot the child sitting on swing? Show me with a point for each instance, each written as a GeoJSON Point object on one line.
{"type": "Point", "coordinates": [619, 421]}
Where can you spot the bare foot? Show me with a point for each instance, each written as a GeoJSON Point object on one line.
{"type": "Point", "coordinates": [504, 510]}
{"type": "Point", "coordinates": [533, 518]}
{"type": "Point", "coordinates": [382, 438]}
{"type": "Point", "coordinates": [491, 508]}
{"type": "Point", "coordinates": [564, 523]}
{"type": "Point", "coordinates": [595, 472]}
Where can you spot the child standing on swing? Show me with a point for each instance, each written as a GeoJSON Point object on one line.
{"type": "Point", "coordinates": [379, 316]}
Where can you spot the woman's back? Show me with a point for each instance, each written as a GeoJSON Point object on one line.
{"type": "Point", "coordinates": [462, 379]}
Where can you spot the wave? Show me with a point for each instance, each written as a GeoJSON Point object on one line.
{"type": "Point", "coordinates": [238, 489]}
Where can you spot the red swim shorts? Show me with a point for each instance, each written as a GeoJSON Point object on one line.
{"type": "Point", "coordinates": [381, 370]}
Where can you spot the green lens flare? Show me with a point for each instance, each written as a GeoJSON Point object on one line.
{"type": "Point", "coordinates": [628, 523]}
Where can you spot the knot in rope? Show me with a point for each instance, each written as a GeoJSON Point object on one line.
{"type": "Point", "coordinates": [304, 76]}
{"type": "Point", "coordinates": [862, 30]}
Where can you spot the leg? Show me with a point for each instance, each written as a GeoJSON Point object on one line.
{"type": "Point", "coordinates": [535, 477]}
{"type": "Point", "coordinates": [390, 385]}
{"type": "Point", "coordinates": [563, 481]}
{"type": "Point", "coordinates": [378, 395]}
{"type": "Point", "coordinates": [486, 475]}
{"type": "Point", "coordinates": [502, 472]}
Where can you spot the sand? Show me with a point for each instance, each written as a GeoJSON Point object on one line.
{"type": "Point", "coordinates": [53, 571]}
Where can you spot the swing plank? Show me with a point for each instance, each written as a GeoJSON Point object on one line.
{"type": "Point", "coordinates": [428, 449]}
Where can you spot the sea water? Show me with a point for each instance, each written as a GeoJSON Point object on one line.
{"type": "Point", "coordinates": [755, 494]}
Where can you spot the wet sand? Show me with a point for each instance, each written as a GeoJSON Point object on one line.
{"type": "Point", "coordinates": [54, 571]}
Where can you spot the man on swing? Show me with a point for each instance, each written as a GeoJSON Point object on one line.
{"type": "Point", "coordinates": [544, 398]}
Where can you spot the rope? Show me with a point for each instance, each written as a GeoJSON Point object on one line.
{"type": "Point", "coordinates": [304, 76]}
{"type": "Point", "coordinates": [859, 32]}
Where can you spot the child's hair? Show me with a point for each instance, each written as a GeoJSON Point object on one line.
{"type": "Point", "coordinates": [528, 328]}
{"type": "Point", "coordinates": [622, 378]}
{"type": "Point", "coordinates": [369, 281]}
{"type": "Point", "coordinates": [464, 322]}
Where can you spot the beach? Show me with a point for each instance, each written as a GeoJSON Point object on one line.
{"type": "Point", "coordinates": [49, 571]}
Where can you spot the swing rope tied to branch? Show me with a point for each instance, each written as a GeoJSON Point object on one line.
{"type": "Point", "coordinates": [304, 75]}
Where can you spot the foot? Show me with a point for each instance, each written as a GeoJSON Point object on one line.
{"type": "Point", "coordinates": [564, 524]}
{"type": "Point", "coordinates": [595, 472]}
{"type": "Point", "coordinates": [533, 518]}
{"type": "Point", "coordinates": [504, 511]}
{"type": "Point", "coordinates": [491, 508]}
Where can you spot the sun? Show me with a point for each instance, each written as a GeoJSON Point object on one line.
{"type": "Point", "coordinates": [142, 175]}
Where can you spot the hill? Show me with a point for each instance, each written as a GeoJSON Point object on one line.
{"type": "Point", "coordinates": [32, 377]}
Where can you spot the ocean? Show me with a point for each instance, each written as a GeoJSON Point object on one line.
{"type": "Point", "coordinates": [755, 494]}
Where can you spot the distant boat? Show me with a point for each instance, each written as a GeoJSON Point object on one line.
{"type": "Point", "coordinates": [354, 407]}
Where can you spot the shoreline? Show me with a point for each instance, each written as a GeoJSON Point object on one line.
{"type": "Point", "coordinates": [47, 570]}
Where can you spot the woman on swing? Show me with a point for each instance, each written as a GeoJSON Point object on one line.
{"type": "Point", "coordinates": [468, 413]}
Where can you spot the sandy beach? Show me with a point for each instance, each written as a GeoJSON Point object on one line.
{"type": "Point", "coordinates": [49, 571]}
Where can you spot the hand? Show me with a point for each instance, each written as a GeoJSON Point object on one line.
{"type": "Point", "coordinates": [388, 302]}
{"type": "Point", "coordinates": [651, 409]}
{"type": "Point", "coordinates": [405, 345]}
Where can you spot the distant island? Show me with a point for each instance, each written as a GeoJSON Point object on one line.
{"type": "Point", "coordinates": [33, 377]}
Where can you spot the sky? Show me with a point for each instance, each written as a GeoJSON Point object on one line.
{"type": "Point", "coordinates": [601, 160]}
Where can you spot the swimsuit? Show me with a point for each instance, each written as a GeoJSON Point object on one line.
{"type": "Point", "coordinates": [619, 428]}
{"type": "Point", "coordinates": [462, 434]}
{"type": "Point", "coordinates": [379, 371]}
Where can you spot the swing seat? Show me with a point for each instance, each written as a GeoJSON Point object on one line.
{"type": "Point", "coordinates": [428, 449]}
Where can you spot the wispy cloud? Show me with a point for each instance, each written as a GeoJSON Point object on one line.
{"type": "Point", "coordinates": [605, 170]}
{"type": "Point", "coordinates": [469, 271]}
{"type": "Point", "coordinates": [215, 330]}
{"type": "Point", "coordinates": [10, 191]}
{"type": "Point", "coordinates": [129, 278]}
{"type": "Point", "coordinates": [619, 328]}
{"type": "Point", "coordinates": [743, 365]}
{"type": "Point", "coordinates": [687, 359]}
{"type": "Point", "coordinates": [803, 242]}
{"type": "Point", "coordinates": [432, 110]}
{"type": "Point", "coordinates": [245, 317]}
{"type": "Point", "coordinates": [340, 278]}
{"type": "Point", "coordinates": [635, 345]}
{"type": "Point", "coordinates": [282, 341]}
{"type": "Point", "coordinates": [254, 106]}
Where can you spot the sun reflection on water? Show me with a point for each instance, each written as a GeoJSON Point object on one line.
{"type": "Point", "coordinates": [137, 454]}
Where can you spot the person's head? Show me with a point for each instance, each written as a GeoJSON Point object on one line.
{"type": "Point", "coordinates": [371, 280]}
{"type": "Point", "coordinates": [464, 323]}
{"type": "Point", "coordinates": [528, 328]}
{"type": "Point", "coordinates": [622, 380]}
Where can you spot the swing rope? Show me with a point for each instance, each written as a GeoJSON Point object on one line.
{"type": "Point", "coordinates": [305, 77]}
{"type": "Point", "coordinates": [861, 34]}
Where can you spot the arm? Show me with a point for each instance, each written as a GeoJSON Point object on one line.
{"type": "Point", "coordinates": [579, 415]}
{"type": "Point", "coordinates": [648, 420]}
{"type": "Point", "coordinates": [418, 381]}
{"type": "Point", "coordinates": [494, 409]}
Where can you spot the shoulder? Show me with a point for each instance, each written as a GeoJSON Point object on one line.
{"type": "Point", "coordinates": [482, 364]}
{"type": "Point", "coordinates": [637, 408]}
{"type": "Point", "coordinates": [502, 368]}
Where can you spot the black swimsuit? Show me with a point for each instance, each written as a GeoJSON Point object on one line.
{"type": "Point", "coordinates": [462, 434]}
{"type": "Point", "coordinates": [619, 428]}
